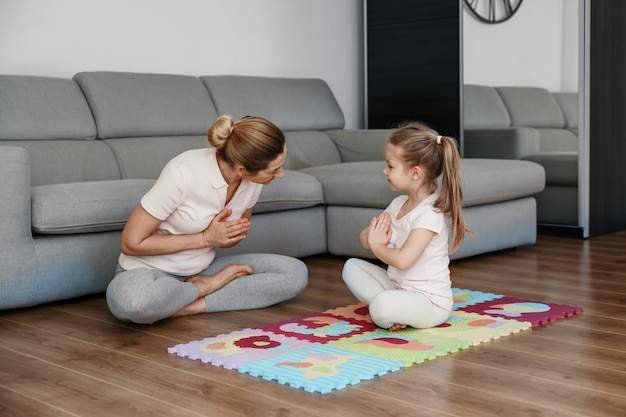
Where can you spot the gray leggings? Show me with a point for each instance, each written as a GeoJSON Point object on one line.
{"type": "Point", "coordinates": [146, 295]}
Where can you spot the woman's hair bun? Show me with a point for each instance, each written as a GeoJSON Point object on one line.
{"type": "Point", "coordinates": [220, 131]}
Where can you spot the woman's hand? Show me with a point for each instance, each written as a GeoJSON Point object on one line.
{"type": "Point", "coordinates": [224, 234]}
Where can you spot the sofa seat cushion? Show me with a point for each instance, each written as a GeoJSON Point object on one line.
{"type": "Point", "coordinates": [357, 184]}
{"type": "Point", "coordinates": [488, 181]}
{"type": "Point", "coordinates": [561, 167]}
{"type": "Point", "coordinates": [484, 181]}
{"type": "Point", "coordinates": [85, 207]}
{"type": "Point", "coordinates": [295, 190]}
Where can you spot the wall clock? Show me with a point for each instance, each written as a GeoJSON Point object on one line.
{"type": "Point", "coordinates": [492, 11]}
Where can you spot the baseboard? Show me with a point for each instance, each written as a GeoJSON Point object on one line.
{"type": "Point", "coordinates": [560, 230]}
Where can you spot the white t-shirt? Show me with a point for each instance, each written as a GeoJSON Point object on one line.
{"type": "Point", "coordinates": [189, 193]}
{"type": "Point", "coordinates": [430, 275]}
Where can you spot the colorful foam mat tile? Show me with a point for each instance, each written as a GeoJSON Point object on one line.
{"type": "Point", "coordinates": [408, 346]}
{"type": "Point", "coordinates": [237, 348]}
{"type": "Point", "coordinates": [477, 328]}
{"type": "Point", "coordinates": [358, 311]}
{"type": "Point", "coordinates": [537, 313]}
{"type": "Point", "coordinates": [463, 298]}
{"type": "Point", "coordinates": [320, 368]}
{"type": "Point", "coordinates": [320, 327]}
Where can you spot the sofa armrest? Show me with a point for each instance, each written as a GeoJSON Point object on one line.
{"type": "Point", "coordinates": [17, 249]}
{"type": "Point", "coordinates": [15, 191]}
{"type": "Point", "coordinates": [357, 145]}
{"type": "Point", "coordinates": [505, 143]}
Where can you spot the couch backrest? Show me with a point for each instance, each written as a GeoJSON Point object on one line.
{"type": "Point", "coordinates": [50, 118]}
{"type": "Point", "coordinates": [538, 108]}
{"type": "Point", "coordinates": [532, 107]}
{"type": "Point", "coordinates": [483, 108]}
{"type": "Point", "coordinates": [147, 119]}
{"type": "Point", "coordinates": [109, 125]}
{"type": "Point", "coordinates": [553, 115]}
{"type": "Point", "coordinates": [293, 104]}
{"type": "Point", "coordinates": [568, 102]}
{"type": "Point", "coordinates": [140, 104]}
{"type": "Point", "coordinates": [302, 107]}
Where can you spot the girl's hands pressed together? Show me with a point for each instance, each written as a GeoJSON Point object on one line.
{"type": "Point", "coordinates": [379, 230]}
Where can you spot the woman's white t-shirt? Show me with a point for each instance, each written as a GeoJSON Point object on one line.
{"type": "Point", "coordinates": [430, 275]}
{"type": "Point", "coordinates": [189, 193]}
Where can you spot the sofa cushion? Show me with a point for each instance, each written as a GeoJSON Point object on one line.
{"type": "Point", "coordinates": [568, 102]}
{"type": "Point", "coordinates": [138, 104]}
{"type": "Point", "coordinates": [309, 148]}
{"type": "Point", "coordinates": [43, 108]}
{"type": "Point", "coordinates": [145, 157]}
{"type": "Point", "coordinates": [483, 108]}
{"type": "Point", "coordinates": [356, 145]}
{"type": "Point", "coordinates": [60, 161]}
{"type": "Point", "coordinates": [295, 190]}
{"type": "Point", "coordinates": [488, 181]}
{"type": "Point", "coordinates": [290, 103]}
{"type": "Point", "coordinates": [557, 140]}
{"type": "Point", "coordinates": [484, 181]}
{"type": "Point", "coordinates": [358, 184]}
{"type": "Point", "coordinates": [85, 207]}
{"type": "Point", "coordinates": [532, 107]}
{"type": "Point", "coordinates": [561, 167]}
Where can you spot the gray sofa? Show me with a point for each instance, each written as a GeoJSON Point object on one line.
{"type": "Point", "coordinates": [533, 124]}
{"type": "Point", "coordinates": [76, 155]}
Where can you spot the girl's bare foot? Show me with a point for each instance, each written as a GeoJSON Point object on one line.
{"type": "Point", "coordinates": [209, 284]}
{"type": "Point", "coordinates": [397, 326]}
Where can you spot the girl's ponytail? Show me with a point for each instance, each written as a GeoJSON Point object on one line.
{"type": "Point", "coordinates": [450, 200]}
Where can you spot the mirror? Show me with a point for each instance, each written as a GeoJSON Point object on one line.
{"type": "Point", "coordinates": [522, 74]}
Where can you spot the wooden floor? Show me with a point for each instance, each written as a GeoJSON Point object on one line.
{"type": "Point", "coordinates": [74, 359]}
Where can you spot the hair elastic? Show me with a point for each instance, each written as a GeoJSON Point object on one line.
{"type": "Point", "coordinates": [438, 139]}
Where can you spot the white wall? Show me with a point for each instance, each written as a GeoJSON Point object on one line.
{"type": "Point", "coordinates": [538, 46]}
{"type": "Point", "coordinates": [283, 38]}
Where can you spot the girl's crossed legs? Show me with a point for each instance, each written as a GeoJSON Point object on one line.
{"type": "Point", "coordinates": [390, 307]}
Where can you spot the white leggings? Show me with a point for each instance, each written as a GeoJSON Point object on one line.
{"type": "Point", "coordinates": [387, 304]}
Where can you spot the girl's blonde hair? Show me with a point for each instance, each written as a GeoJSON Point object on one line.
{"type": "Point", "coordinates": [437, 156]}
{"type": "Point", "coordinates": [252, 142]}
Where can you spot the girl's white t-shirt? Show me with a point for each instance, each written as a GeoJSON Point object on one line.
{"type": "Point", "coordinates": [430, 275]}
{"type": "Point", "coordinates": [188, 194]}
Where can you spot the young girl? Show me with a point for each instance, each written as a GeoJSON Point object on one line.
{"type": "Point", "coordinates": [202, 200]}
{"type": "Point", "coordinates": [411, 235]}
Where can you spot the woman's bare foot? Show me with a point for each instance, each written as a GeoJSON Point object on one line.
{"type": "Point", "coordinates": [209, 284]}
{"type": "Point", "coordinates": [397, 326]}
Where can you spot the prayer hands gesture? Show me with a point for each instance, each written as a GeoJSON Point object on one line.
{"type": "Point", "coordinates": [379, 230]}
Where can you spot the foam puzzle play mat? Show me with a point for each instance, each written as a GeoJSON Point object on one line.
{"type": "Point", "coordinates": [330, 350]}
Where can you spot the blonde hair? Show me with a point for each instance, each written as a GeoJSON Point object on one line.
{"type": "Point", "coordinates": [437, 156]}
{"type": "Point", "coordinates": [252, 142]}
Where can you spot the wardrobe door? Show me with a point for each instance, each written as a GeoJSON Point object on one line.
{"type": "Point", "coordinates": [413, 63]}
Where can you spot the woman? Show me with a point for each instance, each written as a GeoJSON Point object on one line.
{"type": "Point", "coordinates": [203, 200]}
